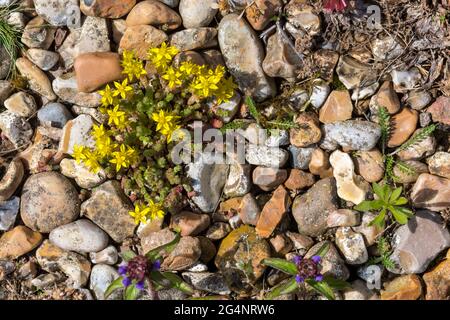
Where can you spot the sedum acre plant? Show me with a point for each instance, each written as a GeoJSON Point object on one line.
{"type": "Point", "coordinates": [145, 112]}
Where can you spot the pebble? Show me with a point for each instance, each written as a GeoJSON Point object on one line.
{"type": "Point", "coordinates": [343, 218]}
{"type": "Point", "coordinates": [8, 213]}
{"type": "Point", "coordinates": [6, 268]}
{"type": "Point", "coordinates": [418, 243]}
{"type": "Point", "coordinates": [66, 88]}
{"type": "Point", "coordinates": [207, 281]}
{"type": "Point", "coordinates": [93, 36]}
{"type": "Point", "coordinates": [439, 164]}
{"type": "Point", "coordinates": [77, 132]}
{"type": "Point", "coordinates": [301, 157]}
{"type": "Point", "coordinates": [110, 9]}
{"type": "Point", "coordinates": [227, 110]}
{"type": "Point", "coordinates": [233, 252]}
{"type": "Point", "coordinates": [365, 92]}
{"type": "Point", "coordinates": [5, 67]}
{"type": "Point", "coordinates": [302, 18]}
{"type": "Point", "coordinates": [300, 242]}
{"type": "Point", "coordinates": [47, 280]}
{"type": "Point", "coordinates": [48, 200]}
{"type": "Point", "coordinates": [386, 97]}
{"type": "Point", "coordinates": [80, 236]}
{"type": "Point", "coordinates": [101, 277]}
{"type": "Point", "coordinates": [320, 164]}
{"type": "Point", "coordinates": [370, 232]}
{"type": "Point", "coordinates": [119, 26]}
{"type": "Point", "coordinates": [337, 107]}
{"type": "Point", "coordinates": [249, 210]}
{"type": "Point", "coordinates": [157, 239]}
{"type": "Point", "coordinates": [332, 263]}
{"type": "Point", "coordinates": [54, 114]}
{"type": "Point", "coordinates": [213, 58]}
{"type": "Point", "coordinates": [194, 39]}
{"type": "Point", "coordinates": [37, 79]}
{"type": "Point", "coordinates": [82, 175]}
{"type": "Point", "coordinates": [281, 61]}
{"type": "Point", "coordinates": [108, 256]}
{"type": "Point", "coordinates": [189, 223]}
{"type": "Point", "coordinates": [239, 181]}
{"type": "Point", "coordinates": [186, 253]}
{"type": "Point", "coordinates": [440, 112]}
{"type": "Point", "coordinates": [319, 93]}
{"type": "Point", "coordinates": [420, 149]}
{"type": "Point", "coordinates": [418, 100]}
{"type": "Point", "coordinates": [408, 287]}
{"type": "Point", "coordinates": [386, 48]}
{"type": "Point", "coordinates": [94, 70]}
{"type": "Point", "coordinates": [269, 178]}
{"type": "Point", "coordinates": [299, 179]}
{"type": "Point", "coordinates": [308, 131]}
{"type": "Point", "coordinates": [431, 192]}
{"type": "Point", "coordinates": [197, 13]}
{"type": "Point", "coordinates": [370, 165]}
{"type": "Point", "coordinates": [405, 80]}
{"type": "Point", "coordinates": [245, 65]}
{"type": "Point", "coordinates": [109, 208]}
{"type": "Point", "coordinates": [353, 73]}
{"type": "Point", "coordinates": [76, 267]}
{"type": "Point", "coordinates": [21, 104]}
{"type": "Point", "coordinates": [17, 242]}
{"type": "Point", "coordinates": [208, 177]}
{"type": "Point", "coordinates": [140, 38]}
{"type": "Point", "coordinates": [437, 281]}
{"type": "Point", "coordinates": [38, 34]}
{"type": "Point", "coordinates": [260, 12]}
{"type": "Point", "coordinates": [93, 112]}
{"type": "Point", "coordinates": [56, 12]}
{"type": "Point", "coordinates": [15, 128]}
{"type": "Point", "coordinates": [5, 90]}
{"type": "Point", "coordinates": [11, 179]}
{"type": "Point", "coordinates": [403, 124]}
{"type": "Point", "coordinates": [352, 246]}
{"type": "Point", "coordinates": [273, 212]}
{"type": "Point", "coordinates": [402, 176]}
{"type": "Point", "coordinates": [351, 135]}
{"type": "Point", "coordinates": [311, 209]}
{"type": "Point", "coordinates": [217, 231]}
{"type": "Point", "coordinates": [266, 156]}
{"type": "Point", "coordinates": [155, 13]}
{"type": "Point", "coordinates": [343, 171]}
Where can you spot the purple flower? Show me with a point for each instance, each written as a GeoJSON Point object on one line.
{"type": "Point", "coordinates": [299, 279]}
{"type": "Point", "coordinates": [297, 259]}
{"type": "Point", "coordinates": [156, 265]}
{"type": "Point", "coordinates": [140, 285]}
{"type": "Point", "coordinates": [122, 270]}
{"type": "Point", "coordinates": [307, 268]}
{"type": "Point", "coordinates": [316, 259]}
{"type": "Point", "coordinates": [126, 281]}
{"type": "Point", "coordinates": [319, 278]}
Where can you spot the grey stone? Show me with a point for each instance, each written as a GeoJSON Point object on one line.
{"type": "Point", "coordinates": [8, 213]}
{"type": "Point", "coordinates": [15, 128]}
{"type": "Point", "coordinates": [109, 255]}
{"type": "Point", "coordinates": [352, 246]}
{"type": "Point", "coordinates": [56, 12]}
{"type": "Point", "coordinates": [301, 157]}
{"type": "Point", "coordinates": [332, 263]}
{"type": "Point", "coordinates": [266, 156]}
{"type": "Point", "coordinates": [54, 114]}
{"type": "Point", "coordinates": [101, 277]}
{"type": "Point", "coordinates": [207, 281]}
{"type": "Point", "coordinates": [351, 134]}
{"type": "Point", "coordinates": [197, 13]}
{"type": "Point", "coordinates": [44, 59]}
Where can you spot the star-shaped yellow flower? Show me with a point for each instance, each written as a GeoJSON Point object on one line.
{"type": "Point", "coordinates": [122, 89]}
{"type": "Point", "coordinates": [107, 96]}
{"type": "Point", "coordinates": [140, 214]}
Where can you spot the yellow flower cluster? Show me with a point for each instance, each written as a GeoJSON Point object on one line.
{"type": "Point", "coordinates": [105, 151]}
{"type": "Point", "coordinates": [199, 80]}
{"type": "Point", "coordinates": [132, 67]}
{"type": "Point", "coordinates": [142, 214]}
{"type": "Point", "coordinates": [166, 124]}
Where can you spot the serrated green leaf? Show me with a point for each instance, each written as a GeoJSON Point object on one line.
{"type": "Point", "coordinates": [115, 285]}
{"type": "Point", "coordinates": [322, 287]}
{"type": "Point", "coordinates": [281, 264]}
{"type": "Point", "coordinates": [127, 255]}
{"type": "Point", "coordinates": [336, 283]}
{"type": "Point", "coordinates": [283, 288]}
{"type": "Point", "coordinates": [131, 292]}
{"type": "Point", "coordinates": [154, 254]}
{"type": "Point", "coordinates": [178, 283]}
{"type": "Point", "coordinates": [323, 250]}
{"type": "Point", "coordinates": [379, 219]}
{"type": "Point", "coordinates": [395, 194]}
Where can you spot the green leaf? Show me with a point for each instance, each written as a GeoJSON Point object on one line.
{"type": "Point", "coordinates": [322, 287]}
{"type": "Point", "coordinates": [399, 216]}
{"type": "Point", "coordinates": [127, 255]}
{"type": "Point", "coordinates": [369, 205]}
{"type": "Point", "coordinates": [395, 194]}
{"type": "Point", "coordinates": [115, 285]}
{"type": "Point", "coordinates": [154, 254]}
{"type": "Point", "coordinates": [378, 189]}
{"type": "Point", "coordinates": [323, 250]}
{"type": "Point", "coordinates": [178, 283]}
{"type": "Point", "coordinates": [281, 264]}
{"type": "Point", "coordinates": [400, 201]}
{"type": "Point", "coordinates": [283, 288]}
{"type": "Point", "coordinates": [131, 292]}
{"type": "Point", "coordinates": [379, 219]}
{"type": "Point", "coordinates": [336, 283]}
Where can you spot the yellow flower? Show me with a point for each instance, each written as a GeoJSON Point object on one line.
{"type": "Point", "coordinates": [127, 57]}
{"type": "Point", "coordinates": [105, 146]}
{"type": "Point", "coordinates": [188, 68]}
{"type": "Point", "coordinates": [173, 77]}
{"type": "Point", "coordinates": [161, 119]}
{"type": "Point", "coordinates": [121, 158]}
{"type": "Point", "coordinates": [132, 67]}
{"type": "Point", "coordinates": [169, 129]}
{"type": "Point", "coordinates": [91, 160]}
{"type": "Point", "coordinates": [79, 153]}
{"type": "Point", "coordinates": [139, 214]}
{"type": "Point", "coordinates": [155, 210]}
{"type": "Point", "coordinates": [116, 117]}
{"type": "Point", "coordinates": [122, 89]}
{"type": "Point", "coordinates": [225, 91]}
{"type": "Point", "coordinates": [162, 56]}
{"type": "Point", "coordinates": [107, 96]}
{"type": "Point", "coordinates": [205, 86]}
{"type": "Point", "coordinates": [99, 132]}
